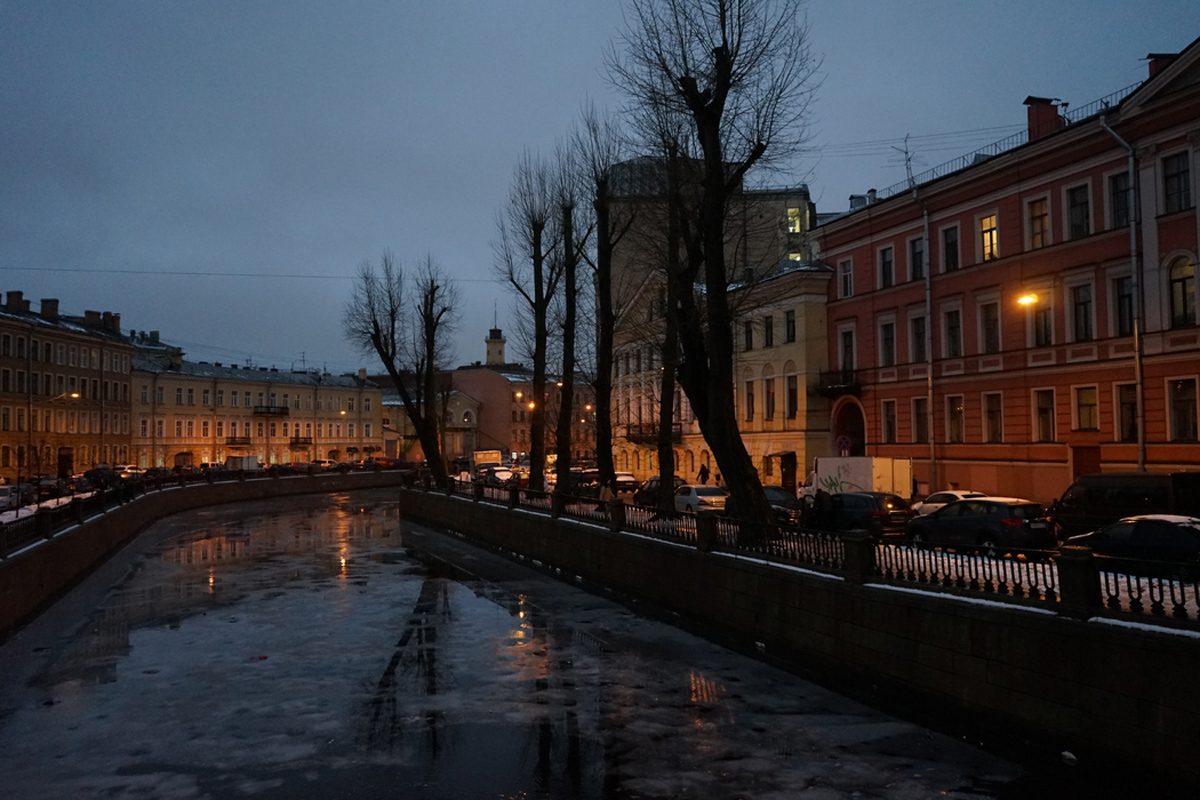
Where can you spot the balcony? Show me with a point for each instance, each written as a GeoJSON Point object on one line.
{"type": "Point", "coordinates": [300, 441]}
{"type": "Point", "coordinates": [647, 433]}
{"type": "Point", "coordinates": [237, 441]}
{"type": "Point", "coordinates": [271, 411]}
{"type": "Point", "coordinates": [840, 382]}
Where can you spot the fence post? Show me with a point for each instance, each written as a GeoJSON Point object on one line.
{"type": "Point", "coordinates": [707, 537]}
{"type": "Point", "coordinates": [514, 495]}
{"type": "Point", "coordinates": [77, 507]}
{"type": "Point", "coordinates": [558, 504]}
{"type": "Point", "coordinates": [42, 515]}
{"type": "Point", "coordinates": [616, 514]}
{"type": "Point", "coordinates": [1078, 581]}
{"type": "Point", "coordinates": [859, 560]}
{"type": "Point", "coordinates": [477, 491]}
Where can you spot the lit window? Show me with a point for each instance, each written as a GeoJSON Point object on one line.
{"type": "Point", "coordinates": [989, 238]}
{"type": "Point", "coordinates": [795, 221]}
{"type": "Point", "coordinates": [1044, 414]}
{"type": "Point", "coordinates": [1039, 224]}
{"type": "Point", "coordinates": [1086, 413]}
{"type": "Point", "coordinates": [954, 419]}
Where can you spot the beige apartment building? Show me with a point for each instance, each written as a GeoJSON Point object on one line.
{"type": "Point", "coordinates": [64, 390]}
{"type": "Point", "coordinates": [196, 412]}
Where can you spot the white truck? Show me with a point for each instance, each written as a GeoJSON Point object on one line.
{"type": "Point", "coordinates": [482, 460]}
{"type": "Point", "coordinates": [859, 474]}
{"type": "Point", "coordinates": [247, 463]}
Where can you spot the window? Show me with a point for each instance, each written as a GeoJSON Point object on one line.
{"type": "Point", "coordinates": [1043, 326]}
{"type": "Point", "coordinates": [795, 222]}
{"type": "Point", "coordinates": [953, 320]}
{"type": "Point", "coordinates": [1086, 416]}
{"type": "Point", "coordinates": [846, 279]}
{"type": "Point", "coordinates": [789, 326]}
{"type": "Point", "coordinates": [887, 344]}
{"type": "Point", "coordinates": [917, 350]}
{"type": "Point", "coordinates": [179, 395]}
{"type": "Point", "coordinates": [887, 268]}
{"type": "Point", "coordinates": [748, 333]}
{"type": "Point", "coordinates": [1039, 223]}
{"type": "Point", "coordinates": [1078, 212]}
{"type": "Point", "coordinates": [989, 238]}
{"type": "Point", "coordinates": [1118, 200]}
{"type": "Point", "coordinates": [954, 419]}
{"type": "Point", "coordinates": [1177, 190]}
{"type": "Point", "coordinates": [768, 331]}
{"type": "Point", "coordinates": [793, 397]}
{"type": "Point", "coordinates": [1044, 415]}
{"type": "Point", "coordinates": [916, 259]}
{"type": "Point", "coordinates": [144, 428]}
{"type": "Point", "coordinates": [1181, 395]}
{"type": "Point", "coordinates": [1127, 412]}
{"type": "Point", "coordinates": [160, 395]}
{"type": "Point", "coordinates": [1123, 306]}
{"type": "Point", "coordinates": [749, 401]}
{"type": "Point", "coordinates": [178, 429]}
{"type": "Point", "coordinates": [889, 421]}
{"type": "Point", "coordinates": [920, 426]}
{"type": "Point", "coordinates": [205, 398]}
{"type": "Point", "coordinates": [1183, 293]}
{"type": "Point", "coordinates": [1081, 312]}
{"type": "Point", "coordinates": [993, 418]}
{"type": "Point", "coordinates": [989, 323]}
{"type": "Point", "coordinates": [768, 398]}
{"type": "Point", "coordinates": [847, 350]}
{"type": "Point", "coordinates": [191, 397]}
{"type": "Point", "coordinates": [949, 249]}
{"type": "Point", "coordinates": [220, 397]}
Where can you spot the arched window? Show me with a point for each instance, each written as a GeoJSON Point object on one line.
{"type": "Point", "coordinates": [1183, 293]}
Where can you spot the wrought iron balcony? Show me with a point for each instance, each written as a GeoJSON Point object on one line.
{"type": "Point", "coordinates": [300, 441]}
{"type": "Point", "coordinates": [836, 383]}
{"type": "Point", "coordinates": [647, 433]}
{"type": "Point", "coordinates": [272, 411]}
{"type": "Point", "coordinates": [237, 441]}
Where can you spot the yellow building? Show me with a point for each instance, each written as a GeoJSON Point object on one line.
{"type": "Point", "coordinates": [196, 412]}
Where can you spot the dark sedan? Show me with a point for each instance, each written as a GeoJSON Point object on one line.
{"type": "Point", "coordinates": [989, 524]}
{"type": "Point", "coordinates": [878, 513]}
{"type": "Point", "coordinates": [1149, 537]}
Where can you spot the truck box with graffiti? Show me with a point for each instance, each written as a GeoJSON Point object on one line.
{"type": "Point", "coordinates": [859, 474]}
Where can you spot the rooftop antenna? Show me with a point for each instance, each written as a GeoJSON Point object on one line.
{"type": "Point", "coordinates": [907, 160]}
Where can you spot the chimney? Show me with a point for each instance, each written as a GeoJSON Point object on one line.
{"type": "Point", "coordinates": [1160, 61]}
{"type": "Point", "coordinates": [871, 197]}
{"type": "Point", "coordinates": [91, 318]}
{"type": "Point", "coordinates": [1043, 117]}
{"type": "Point", "coordinates": [15, 301]}
{"type": "Point", "coordinates": [153, 337]}
{"type": "Point", "coordinates": [858, 201]}
{"type": "Point", "coordinates": [50, 308]}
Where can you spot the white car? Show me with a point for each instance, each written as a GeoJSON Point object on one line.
{"type": "Point", "coordinates": [700, 499]}
{"type": "Point", "coordinates": [939, 499]}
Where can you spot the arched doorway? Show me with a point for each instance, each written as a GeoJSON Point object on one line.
{"type": "Point", "coordinates": [849, 430]}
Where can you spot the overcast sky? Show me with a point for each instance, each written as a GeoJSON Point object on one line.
{"type": "Point", "coordinates": [217, 171]}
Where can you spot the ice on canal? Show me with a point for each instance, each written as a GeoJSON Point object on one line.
{"type": "Point", "coordinates": [325, 648]}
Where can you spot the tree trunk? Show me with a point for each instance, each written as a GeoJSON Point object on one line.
{"type": "Point", "coordinates": [566, 412]}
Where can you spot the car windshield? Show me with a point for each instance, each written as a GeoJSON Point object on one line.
{"type": "Point", "coordinates": [709, 491]}
{"type": "Point", "coordinates": [776, 494]}
{"type": "Point", "coordinates": [1026, 511]}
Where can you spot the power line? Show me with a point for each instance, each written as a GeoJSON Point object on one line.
{"type": "Point", "coordinates": [204, 274]}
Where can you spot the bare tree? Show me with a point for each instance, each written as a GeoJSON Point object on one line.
{"type": "Point", "coordinates": [409, 325]}
{"type": "Point", "coordinates": [528, 232]}
{"type": "Point", "coordinates": [739, 72]}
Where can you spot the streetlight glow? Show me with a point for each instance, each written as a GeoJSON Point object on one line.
{"type": "Point", "coordinates": [1027, 299]}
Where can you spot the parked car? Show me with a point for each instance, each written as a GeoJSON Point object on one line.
{"type": "Point", "coordinates": [700, 499]}
{"type": "Point", "coordinates": [990, 524]}
{"type": "Point", "coordinates": [1093, 501]}
{"type": "Point", "coordinates": [323, 464]}
{"type": "Point", "coordinates": [126, 471]}
{"type": "Point", "coordinates": [786, 507]}
{"type": "Point", "coordinates": [50, 487]}
{"type": "Point", "coordinates": [878, 513]}
{"type": "Point", "coordinates": [939, 499]}
{"type": "Point", "coordinates": [152, 473]}
{"type": "Point", "coordinates": [103, 477]}
{"type": "Point", "coordinates": [10, 498]}
{"type": "Point", "coordinates": [1150, 537]}
{"type": "Point", "coordinates": [626, 483]}
{"type": "Point", "coordinates": [647, 493]}
{"type": "Point", "coordinates": [497, 476]}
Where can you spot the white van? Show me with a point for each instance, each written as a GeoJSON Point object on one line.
{"type": "Point", "coordinates": [10, 498]}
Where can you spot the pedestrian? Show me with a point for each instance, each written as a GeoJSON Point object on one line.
{"type": "Point", "coordinates": [606, 496]}
{"type": "Point", "coordinates": [703, 474]}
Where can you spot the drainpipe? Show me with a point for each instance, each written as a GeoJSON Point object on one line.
{"type": "Point", "coordinates": [933, 484]}
{"type": "Point", "coordinates": [1136, 280]}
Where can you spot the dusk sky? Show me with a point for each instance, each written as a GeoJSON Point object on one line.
{"type": "Point", "coordinates": [217, 171]}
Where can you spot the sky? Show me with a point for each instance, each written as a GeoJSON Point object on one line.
{"type": "Point", "coordinates": [217, 171]}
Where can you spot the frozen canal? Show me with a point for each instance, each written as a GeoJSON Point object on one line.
{"type": "Point", "coordinates": [321, 647]}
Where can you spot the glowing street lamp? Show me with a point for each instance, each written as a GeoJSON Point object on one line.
{"type": "Point", "coordinates": [1027, 299]}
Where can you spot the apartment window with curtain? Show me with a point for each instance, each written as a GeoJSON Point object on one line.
{"type": "Point", "coordinates": [1043, 326]}
{"type": "Point", "coordinates": [954, 419]}
{"type": "Point", "coordinates": [1087, 417]}
{"type": "Point", "coordinates": [989, 237]}
{"type": "Point", "coordinates": [1039, 223]}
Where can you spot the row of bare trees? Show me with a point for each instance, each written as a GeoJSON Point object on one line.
{"type": "Point", "coordinates": [714, 89]}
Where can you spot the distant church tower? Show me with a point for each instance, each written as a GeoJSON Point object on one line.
{"type": "Point", "coordinates": [495, 348]}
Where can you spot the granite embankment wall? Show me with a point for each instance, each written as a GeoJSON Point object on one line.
{"type": "Point", "coordinates": [34, 577]}
{"type": "Point", "coordinates": [1090, 685]}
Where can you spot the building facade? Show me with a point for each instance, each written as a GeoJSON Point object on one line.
{"type": "Point", "coordinates": [64, 390]}
{"type": "Point", "coordinates": [194, 412]}
{"type": "Point", "coordinates": [1027, 314]}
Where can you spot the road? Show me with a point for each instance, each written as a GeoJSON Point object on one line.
{"type": "Point", "coordinates": [322, 647]}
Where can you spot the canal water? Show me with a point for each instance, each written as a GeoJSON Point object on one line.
{"type": "Point", "coordinates": [323, 647]}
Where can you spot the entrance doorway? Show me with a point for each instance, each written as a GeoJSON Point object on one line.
{"type": "Point", "coordinates": [849, 431]}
